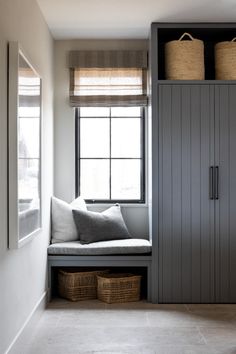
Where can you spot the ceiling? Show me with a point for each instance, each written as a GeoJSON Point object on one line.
{"type": "Point", "coordinates": [124, 19]}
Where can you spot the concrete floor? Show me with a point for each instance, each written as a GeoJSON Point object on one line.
{"type": "Point", "coordinates": [133, 328]}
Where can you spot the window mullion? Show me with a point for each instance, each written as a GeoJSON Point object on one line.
{"type": "Point", "coordinates": [110, 155]}
{"type": "Point", "coordinates": [77, 152]}
{"type": "Point", "coordinates": [142, 145]}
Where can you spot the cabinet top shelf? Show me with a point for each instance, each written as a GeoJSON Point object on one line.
{"type": "Point", "coordinates": [203, 25]}
{"type": "Point", "coordinates": [197, 82]}
{"type": "Point", "coordinates": [209, 33]}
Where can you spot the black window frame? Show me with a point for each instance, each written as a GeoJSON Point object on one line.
{"type": "Point", "coordinates": [142, 199]}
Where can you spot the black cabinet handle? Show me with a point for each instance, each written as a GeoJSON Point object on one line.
{"type": "Point", "coordinates": [216, 182]}
{"type": "Point", "coordinates": [211, 183]}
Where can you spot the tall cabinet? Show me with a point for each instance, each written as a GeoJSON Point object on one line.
{"type": "Point", "coordinates": [193, 176]}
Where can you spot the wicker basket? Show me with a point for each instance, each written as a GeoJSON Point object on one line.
{"type": "Point", "coordinates": [225, 60]}
{"type": "Point", "coordinates": [184, 59]}
{"type": "Point", "coordinates": [77, 286]}
{"type": "Point", "coordinates": [114, 288]}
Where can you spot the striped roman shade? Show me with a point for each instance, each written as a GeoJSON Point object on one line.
{"type": "Point", "coordinates": [108, 78]}
{"type": "Point", "coordinates": [28, 88]}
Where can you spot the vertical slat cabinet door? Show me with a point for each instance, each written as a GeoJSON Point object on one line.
{"type": "Point", "coordinates": [225, 210]}
{"type": "Point", "coordinates": [186, 214]}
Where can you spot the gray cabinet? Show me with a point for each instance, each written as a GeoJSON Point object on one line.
{"type": "Point", "coordinates": [196, 234]}
{"type": "Point", "coordinates": [225, 207]}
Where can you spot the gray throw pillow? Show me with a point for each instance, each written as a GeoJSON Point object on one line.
{"type": "Point", "coordinates": [94, 227]}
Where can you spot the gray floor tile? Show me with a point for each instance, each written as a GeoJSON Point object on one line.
{"type": "Point", "coordinates": [191, 319]}
{"type": "Point", "coordinates": [105, 318]}
{"type": "Point", "coordinates": [219, 335]}
{"type": "Point", "coordinates": [212, 307]}
{"type": "Point", "coordinates": [93, 327]}
{"type": "Point", "coordinates": [231, 349]}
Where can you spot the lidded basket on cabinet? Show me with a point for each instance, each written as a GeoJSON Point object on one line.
{"type": "Point", "coordinates": [184, 59]}
{"type": "Point", "coordinates": [225, 60]}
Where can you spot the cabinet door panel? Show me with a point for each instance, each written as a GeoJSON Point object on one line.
{"type": "Point", "coordinates": [186, 215]}
{"type": "Point", "coordinates": [185, 200]}
{"type": "Point", "coordinates": [225, 210]}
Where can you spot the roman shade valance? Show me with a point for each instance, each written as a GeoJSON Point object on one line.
{"type": "Point", "coordinates": [28, 88]}
{"type": "Point", "coordinates": [108, 78]}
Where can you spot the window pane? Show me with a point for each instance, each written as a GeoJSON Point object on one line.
{"type": "Point", "coordinates": [125, 111]}
{"type": "Point", "coordinates": [28, 187]}
{"type": "Point", "coordinates": [94, 179]}
{"type": "Point", "coordinates": [125, 179]}
{"type": "Point", "coordinates": [32, 112]}
{"type": "Point", "coordinates": [29, 135]}
{"type": "Point", "coordinates": [28, 195]}
{"type": "Point", "coordinates": [94, 112]}
{"type": "Point", "coordinates": [125, 137]}
{"type": "Point", "coordinates": [94, 137]}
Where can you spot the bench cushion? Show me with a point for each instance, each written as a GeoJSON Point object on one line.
{"type": "Point", "coordinates": [128, 246]}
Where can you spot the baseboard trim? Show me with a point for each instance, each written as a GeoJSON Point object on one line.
{"type": "Point", "coordinates": [29, 324]}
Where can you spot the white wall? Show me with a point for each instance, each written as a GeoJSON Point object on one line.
{"type": "Point", "coordinates": [23, 271]}
{"type": "Point", "coordinates": [64, 128]}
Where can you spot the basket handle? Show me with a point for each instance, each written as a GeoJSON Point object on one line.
{"type": "Point", "coordinates": [234, 39]}
{"type": "Point", "coordinates": [189, 35]}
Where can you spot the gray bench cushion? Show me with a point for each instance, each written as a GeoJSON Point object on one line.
{"type": "Point", "coordinates": [128, 246]}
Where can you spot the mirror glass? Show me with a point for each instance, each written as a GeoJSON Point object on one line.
{"type": "Point", "coordinates": [29, 116]}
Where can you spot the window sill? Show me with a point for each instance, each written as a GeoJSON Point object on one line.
{"type": "Point", "coordinates": [125, 205]}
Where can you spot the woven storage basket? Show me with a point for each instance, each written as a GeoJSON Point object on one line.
{"type": "Point", "coordinates": [184, 59]}
{"type": "Point", "coordinates": [113, 288]}
{"type": "Point", "coordinates": [225, 60]}
{"type": "Point", "coordinates": [77, 286]}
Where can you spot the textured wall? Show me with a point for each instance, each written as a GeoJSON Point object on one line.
{"type": "Point", "coordinates": [23, 271]}
{"type": "Point", "coordinates": [135, 216]}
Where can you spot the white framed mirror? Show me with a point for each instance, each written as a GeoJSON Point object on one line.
{"type": "Point", "coordinates": [24, 148]}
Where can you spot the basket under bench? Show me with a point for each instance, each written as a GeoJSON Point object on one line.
{"type": "Point", "coordinates": [136, 260]}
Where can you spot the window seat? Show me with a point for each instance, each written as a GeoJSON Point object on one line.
{"type": "Point", "coordinates": [116, 247]}
{"type": "Point", "coordinates": [117, 253]}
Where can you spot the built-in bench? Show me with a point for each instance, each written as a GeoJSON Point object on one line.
{"type": "Point", "coordinates": [117, 253]}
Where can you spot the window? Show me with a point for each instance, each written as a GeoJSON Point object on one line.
{"type": "Point", "coordinates": [110, 154]}
{"type": "Point", "coordinates": [109, 91]}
